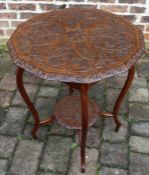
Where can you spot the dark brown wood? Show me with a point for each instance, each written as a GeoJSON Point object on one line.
{"type": "Point", "coordinates": [70, 90]}
{"type": "Point", "coordinates": [84, 107]}
{"type": "Point", "coordinates": [122, 96]}
{"type": "Point", "coordinates": [77, 86]}
{"type": "Point", "coordinates": [76, 45]}
{"type": "Point", "coordinates": [37, 122]}
{"type": "Point", "coordinates": [68, 112]}
{"type": "Point", "coordinates": [25, 97]}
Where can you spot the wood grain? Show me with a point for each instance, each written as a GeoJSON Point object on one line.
{"type": "Point", "coordinates": [76, 45]}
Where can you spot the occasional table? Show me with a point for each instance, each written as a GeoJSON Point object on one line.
{"type": "Point", "coordinates": [78, 47]}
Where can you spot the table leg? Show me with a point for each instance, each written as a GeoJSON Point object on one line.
{"type": "Point", "coordinates": [121, 97]}
{"type": "Point", "coordinates": [70, 90]}
{"type": "Point", "coordinates": [24, 95]}
{"type": "Point", "coordinates": [83, 131]}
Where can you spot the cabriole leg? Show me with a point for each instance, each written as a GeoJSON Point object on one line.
{"type": "Point", "coordinates": [121, 97]}
{"type": "Point", "coordinates": [25, 97]}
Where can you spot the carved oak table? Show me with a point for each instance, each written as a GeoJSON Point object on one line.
{"type": "Point", "coordinates": [78, 47]}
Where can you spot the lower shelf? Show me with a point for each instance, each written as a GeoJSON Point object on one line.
{"type": "Point", "coordinates": [68, 112]}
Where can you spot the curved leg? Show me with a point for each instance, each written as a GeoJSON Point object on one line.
{"type": "Point", "coordinates": [121, 97]}
{"type": "Point", "coordinates": [83, 134]}
{"type": "Point", "coordinates": [24, 95]}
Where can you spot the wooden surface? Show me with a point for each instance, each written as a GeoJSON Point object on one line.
{"type": "Point", "coordinates": [68, 112]}
{"type": "Point", "coordinates": [76, 45]}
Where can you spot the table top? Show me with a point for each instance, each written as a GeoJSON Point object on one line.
{"type": "Point", "coordinates": [76, 45]}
